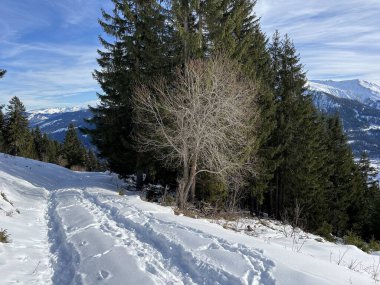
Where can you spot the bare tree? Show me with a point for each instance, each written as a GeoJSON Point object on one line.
{"type": "Point", "coordinates": [203, 122]}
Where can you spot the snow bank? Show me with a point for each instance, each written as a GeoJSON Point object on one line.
{"type": "Point", "coordinates": [73, 228]}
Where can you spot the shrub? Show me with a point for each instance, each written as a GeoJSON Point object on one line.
{"type": "Point", "coordinates": [4, 236]}
{"type": "Point", "coordinates": [374, 245]}
{"type": "Point", "coordinates": [354, 239]}
{"type": "Point", "coordinates": [325, 231]}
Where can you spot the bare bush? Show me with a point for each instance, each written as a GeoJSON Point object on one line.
{"type": "Point", "coordinates": [4, 236]}
{"type": "Point", "coordinates": [203, 122]}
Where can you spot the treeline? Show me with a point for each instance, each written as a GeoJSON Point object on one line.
{"type": "Point", "coordinates": [17, 139]}
{"type": "Point", "coordinates": [304, 169]}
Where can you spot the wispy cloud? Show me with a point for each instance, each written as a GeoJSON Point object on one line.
{"type": "Point", "coordinates": [49, 47]}
{"type": "Point", "coordinates": [49, 50]}
{"type": "Point", "coordinates": [337, 39]}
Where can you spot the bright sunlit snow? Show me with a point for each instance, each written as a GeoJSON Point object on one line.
{"type": "Point", "coordinates": [74, 228]}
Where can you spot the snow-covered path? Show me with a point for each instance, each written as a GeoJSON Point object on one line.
{"type": "Point", "coordinates": [73, 228]}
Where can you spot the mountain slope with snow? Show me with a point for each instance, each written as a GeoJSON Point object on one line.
{"type": "Point", "coordinates": [73, 228]}
{"type": "Point", "coordinates": [54, 121]}
{"type": "Point", "coordinates": [358, 104]}
{"type": "Point", "coordinates": [363, 91]}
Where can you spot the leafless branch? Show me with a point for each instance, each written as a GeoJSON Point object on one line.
{"type": "Point", "coordinates": [203, 122]}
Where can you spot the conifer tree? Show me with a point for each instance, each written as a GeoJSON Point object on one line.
{"type": "Point", "coordinates": [362, 202]}
{"type": "Point", "coordinates": [16, 128]}
{"type": "Point", "coordinates": [91, 161]}
{"type": "Point", "coordinates": [2, 140]}
{"type": "Point", "coordinates": [139, 51]}
{"type": "Point", "coordinates": [53, 150]}
{"type": "Point", "coordinates": [2, 126]}
{"type": "Point", "coordinates": [39, 144]}
{"type": "Point", "coordinates": [72, 148]}
{"type": "Point", "coordinates": [341, 176]}
{"type": "Point", "coordinates": [187, 17]}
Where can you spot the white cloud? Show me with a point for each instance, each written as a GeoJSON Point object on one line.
{"type": "Point", "coordinates": [44, 75]}
{"type": "Point", "coordinates": [337, 39]}
{"type": "Point", "coordinates": [49, 50]}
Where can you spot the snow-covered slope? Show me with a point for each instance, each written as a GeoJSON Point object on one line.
{"type": "Point", "coordinates": [358, 104]}
{"type": "Point", "coordinates": [73, 228]}
{"type": "Point", "coordinates": [54, 121]}
{"type": "Point", "coordinates": [51, 111]}
{"type": "Point", "coordinates": [359, 90]}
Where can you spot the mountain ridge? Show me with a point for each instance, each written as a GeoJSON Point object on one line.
{"type": "Point", "coordinates": [358, 104]}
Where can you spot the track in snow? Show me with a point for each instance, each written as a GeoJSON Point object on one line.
{"type": "Point", "coordinates": [163, 252]}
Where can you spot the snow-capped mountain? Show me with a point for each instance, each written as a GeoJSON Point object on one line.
{"type": "Point", "coordinates": [358, 104]}
{"type": "Point", "coordinates": [54, 121]}
{"type": "Point", "coordinates": [363, 91]}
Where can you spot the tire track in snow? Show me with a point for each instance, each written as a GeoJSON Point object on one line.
{"type": "Point", "coordinates": [196, 267]}
{"type": "Point", "coordinates": [64, 256]}
{"type": "Point", "coordinates": [149, 258]}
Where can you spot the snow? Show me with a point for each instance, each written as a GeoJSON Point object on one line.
{"type": "Point", "coordinates": [60, 130]}
{"type": "Point", "coordinates": [371, 128]}
{"type": "Point", "coordinates": [74, 228]}
{"type": "Point", "coordinates": [49, 123]}
{"type": "Point", "coordinates": [51, 111]}
{"type": "Point", "coordinates": [358, 90]}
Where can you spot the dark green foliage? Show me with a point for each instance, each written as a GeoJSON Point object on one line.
{"type": "Point", "coordinates": [137, 53]}
{"type": "Point", "coordinates": [2, 72]}
{"type": "Point", "coordinates": [325, 231]}
{"type": "Point", "coordinates": [91, 161]}
{"type": "Point", "coordinates": [16, 130]}
{"type": "Point", "coordinates": [73, 150]}
{"type": "Point", "coordinates": [353, 239]}
{"type": "Point", "coordinates": [2, 127]}
{"type": "Point", "coordinates": [212, 190]}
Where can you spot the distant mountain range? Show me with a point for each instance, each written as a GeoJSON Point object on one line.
{"type": "Point", "coordinates": [54, 121]}
{"type": "Point", "coordinates": [356, 101]}
{"type": "Point", "coordinates": [358, 104]}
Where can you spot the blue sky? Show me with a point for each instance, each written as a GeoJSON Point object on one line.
{"type": "Point", "coordinates": [49, 50]}
{"type": "Point", "coordinates": [337, 39]}
{"type": "Point", "coordinates": [49, 46]}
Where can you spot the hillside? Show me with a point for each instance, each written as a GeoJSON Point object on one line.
{"type": "Point", "coordinates": [358, 104]}
{"type": "Point", "coordinates": [54, 121]}
{"type": "Point", "coordinates": [73, 228]}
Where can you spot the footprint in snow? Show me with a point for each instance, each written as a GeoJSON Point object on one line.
{"type": "Point", "coordinates": [103, 274]}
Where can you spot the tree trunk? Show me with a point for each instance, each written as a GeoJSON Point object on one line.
{"type": "Point", "coordinates": [193, 190]}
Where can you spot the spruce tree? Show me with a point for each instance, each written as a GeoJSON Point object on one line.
{"type": "Point", "coordinates": [188, 19]}
{"type": "Point", "coordinates": [16, 129]}
{"type": "Point", "coordinates": [362, 204]}
{"type": "Point", "coordinates": [341, 176]}
{"type": "Point", "coordinates": [73, 149]}
{"type": "Point", "coordinates": [137, 52]}
{"type": "Point", "coordinates": [2, 140]}
{"type": "Point", "coordinates": [2, 127]}
{"type": "Point", "coordinates": [299, 154]}
{"type": "Point", "coordinates": [91, 161]}
{"type": "Point", "coordinates": [53, 150]}
{"type": "Point", "coordinates": [39, 144]}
